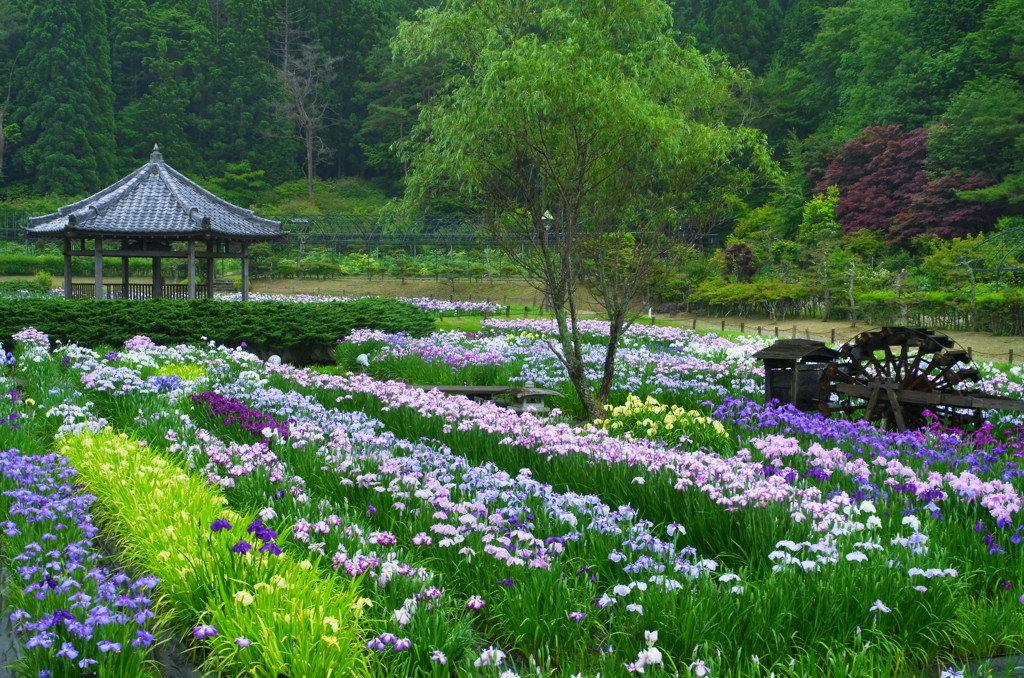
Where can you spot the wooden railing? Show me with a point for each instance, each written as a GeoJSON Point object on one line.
{"type": "Point", "coordinates": [134, 291]}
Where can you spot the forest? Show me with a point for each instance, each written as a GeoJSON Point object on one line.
{"type": "Point", "coordinates": [897, 125]}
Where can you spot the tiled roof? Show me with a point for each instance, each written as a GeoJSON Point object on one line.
{"type": "Point", "coordinates": [155, 200]}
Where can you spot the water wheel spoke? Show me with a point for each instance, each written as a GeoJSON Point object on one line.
{"type": "Point", "coordinates": [879, 368]}
{"type": "Point", "coordinates": [901, 368]}
{"type": "Point", "coordinates": [952, 373]}
{"type": "Point", "coordinates": [925, 378]}
{"type": "Point", "coordinates": [888, 362]}
{"type": "Point", "coordinates": [916, 373]}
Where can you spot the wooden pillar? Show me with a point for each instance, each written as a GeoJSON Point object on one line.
{"type": "Point", "coordinates": [245, 271]}
{"type": "Point", "coordinates": [67, 268]}
{"type": "Point", "coordinates": [124, 271]}
{"type": "Point", "coordinates": [211, 268]}
{"type": "Point", "coordinates": [191, 269]}
{"type": "Point", "coordinates": [98, 267]}
{"type": "Point", "coordinates": [158, 279]}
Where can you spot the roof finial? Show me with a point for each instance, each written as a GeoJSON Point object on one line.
{"type": "Point", "coordinates": [156, 155]}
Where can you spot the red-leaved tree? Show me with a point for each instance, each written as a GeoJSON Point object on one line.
{"type": "Point", "coordinates": [884, 186]}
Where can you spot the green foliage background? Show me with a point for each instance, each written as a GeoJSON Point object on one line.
{"type": "Point", "coordinates": [914, 109]}
{"type": "Point", "coordinates": [87, 88]}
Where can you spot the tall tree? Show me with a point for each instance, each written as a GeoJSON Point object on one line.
{"type": "Point", "coordinates": [234, 119]}
{"type": "Point", "coordinates": [745, 30]}
{"type": "Point", "coordinates": [937, 25]}
{"type": "Point", "coordinates": [876, 172]}
{"type": "Point", "coordinates": [884, 186]}
{"type": "Point", "coordinates": [304, 78]}
{"type": "Point", "coordinates": [820, 235]}
{"type": "Point", "coordinates": [64, 100]}
{"type": "Point", "coordinates": [355, 31]}
{"type": "Point", "coordinates": [570, 126]}
{"type": "Point", "coordinates": [393, 99]}
{"type": "Point", "coordinates": [160, 48]}
{"type": "Point", "coordinates": [11, 36]}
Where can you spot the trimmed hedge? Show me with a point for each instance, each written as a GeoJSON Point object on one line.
{"type": "Point", "coordinates": [299, 333]}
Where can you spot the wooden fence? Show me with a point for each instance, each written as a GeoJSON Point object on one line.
{"type": "Point", "coordinates": [134, 291]}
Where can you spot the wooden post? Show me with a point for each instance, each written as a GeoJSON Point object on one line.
{"type": "Point", "coordinates": [98, 268]}
{"type": "Point", "coordinates": [67, 268]}
{"type": "Point", "coordinates": [508, 311]}
{"type": "Point", "coordinates": [723, 326]}
{"type": "Point", "coordinates": [124, 277]}
{"type": "Point", "coordinates": [526, 312]}
{"type": "Point", "coordinates": [245, 271]}
{"type": "Point", "coordinates": [1011, 356]}
{"type": "Point", "coordinates": [970, 353]}
{"type": "Point", "coordinates": [808, 333]}
{"type": "Point", "coordinates": [794, 331]}
{"type": "Point", "coordinates": [211, 273]}
{"type": "Point", "coordinates": [741, 326]}
{"type": "Point", "coordinates": [833, 335]}
{"type": "Point", "coordinates": [694, 323]}
{"type": "Point", "coordinates": [124, 271]}
{"type": "Point", "coordinates": [158, 278]}
{"type": "Point", "coordinates": [191, 269]}
{"type": "Point", "coordinates": [759, 330]}
{"type": "Point", "coordinates": [776, 331]}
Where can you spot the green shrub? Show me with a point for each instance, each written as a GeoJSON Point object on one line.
{"type": "Point", "coordinates": [16, 287]}
{"type": "Point", "coordinates": [299, 333]}
{"type": "Point", "coordinates": [43, 279]}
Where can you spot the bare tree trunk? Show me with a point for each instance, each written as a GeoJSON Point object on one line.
{"type": "Point", "coordinates": [3, 139]}
{"type": "Point", "coordinates": [974, 301]}
{"type": "Point", "coordinates": [309, 140]}
{"type": "Point", "coordinates": [826, 301]}
{"type": "Point", "coordinates": [849, 292]}
{"type": "Point", "coordinates": [616, 322]}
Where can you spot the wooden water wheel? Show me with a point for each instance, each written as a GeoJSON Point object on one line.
{"type": "Point", "coordinates": [894, 375]}
{"type": "Point", "coordinates": [890, 376]}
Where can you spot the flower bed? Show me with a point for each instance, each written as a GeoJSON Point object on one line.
{"type": "Point", "coordinates": [75, 614]}
{"type": "Point", "coordinates": [475, 541]}
{"type": "Point", "coordinates": [441, 306]}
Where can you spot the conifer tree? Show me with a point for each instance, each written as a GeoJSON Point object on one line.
{"type": "Point", "coordinates": [235, 121]}
{"type": "Point", "coordinates": [64, 100]}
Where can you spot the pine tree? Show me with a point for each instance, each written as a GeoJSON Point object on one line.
{"type": "Point", "coordinates": [234, 117]}
{"type": "Point", "coordinates": [64, 101]}
{"type": "Point", "coordinates": [161, 47]}
{"type": "Point", "coordinates": [11, 35]}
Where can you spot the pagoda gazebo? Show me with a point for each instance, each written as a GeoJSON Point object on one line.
{"type": "Point", "coordinates": [143, 216]}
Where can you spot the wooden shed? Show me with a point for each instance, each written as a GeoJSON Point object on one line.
{"type": "Point", "coordinates": [793, 370]}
